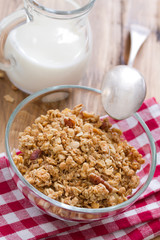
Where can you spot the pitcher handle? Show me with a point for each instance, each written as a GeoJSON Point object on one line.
{"type": "Point", "coordinates": [6, 25]}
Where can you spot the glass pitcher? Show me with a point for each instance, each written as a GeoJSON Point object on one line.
{"type": "Point", "coordinates": [46, 43]}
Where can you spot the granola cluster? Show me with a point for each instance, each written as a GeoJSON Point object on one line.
{"type": "Point", "coordinates": [76, 158]}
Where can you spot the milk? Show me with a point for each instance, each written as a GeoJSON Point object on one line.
{"type": "Point", "coordinates": [46, 54]}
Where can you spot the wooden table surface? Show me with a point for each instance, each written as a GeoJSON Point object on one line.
{"type": "Point", "coordinates": [110, 21]}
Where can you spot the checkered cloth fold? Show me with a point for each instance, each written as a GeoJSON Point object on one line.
{"type": "Point", "coordinates": [19, 220]}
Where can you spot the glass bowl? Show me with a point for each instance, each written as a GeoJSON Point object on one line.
{"type": "Point", "coordinates": [134, 130]}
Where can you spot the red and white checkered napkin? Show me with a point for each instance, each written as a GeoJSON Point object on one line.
{"type": "Point", "coordinates": [20, 220]}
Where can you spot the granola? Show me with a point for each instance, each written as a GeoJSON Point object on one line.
{"type": "Point", "coordinates": [8, 98]}
{"type": "Point", "coordinates": [76, 158]}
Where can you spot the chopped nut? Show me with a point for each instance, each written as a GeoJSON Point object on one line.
{"type": "Point", "coordinates": [69, 122]}
{"type": "Point", "coordinates": [96, 180]}
{"type": "Point", "coordinates": [105, 125]}
{"type": "Point", "coordinates": [35, 154]}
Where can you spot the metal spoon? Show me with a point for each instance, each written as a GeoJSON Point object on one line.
{"type": "Point", "coordinates": [124, 88]}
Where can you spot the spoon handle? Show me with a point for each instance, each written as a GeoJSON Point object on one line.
{"type": "Point", "coordinates": [138, 35]}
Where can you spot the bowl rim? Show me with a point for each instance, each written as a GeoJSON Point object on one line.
{"type": "Point", "coordinates": [122, 205]}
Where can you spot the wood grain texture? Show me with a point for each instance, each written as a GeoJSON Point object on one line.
{"type": "Point", "coordinates": [110, 21]}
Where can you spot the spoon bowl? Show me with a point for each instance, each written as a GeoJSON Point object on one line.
{"type": "Point", "coordinates": [124, 88]}
{"type": "Point", "coordinates": [123, 91]}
